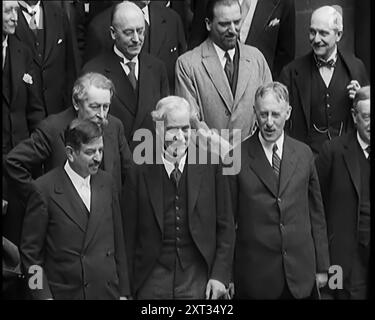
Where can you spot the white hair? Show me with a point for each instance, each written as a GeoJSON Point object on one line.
{"type": "Point", "coordinates": [169, 104]}
{"type": "Point", "coordinates": [335, 17]}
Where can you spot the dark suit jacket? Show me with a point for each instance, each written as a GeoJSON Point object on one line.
{"type": "Point", "coordinates": [167, 38]}
{"type": "Point", "coordinates": [82, 254]}
{"type": "Point", "coordinates": [281, 233]}
{"type": "Point", "coordinates": [46, 146]}
{"type": "Point", "coordinates": [152, 86]}
{"type": "Point", "coordinates": [56, 69]}
{"type": "Point", "coordinates": [277, 43]}
{"type": "Point", "coordinates": [297, 77]}
{"type": "Point", "coordinates": [209, 215]}
{"type": "Point", "coordinates": [22, 107]}
{"type": "Point", "coordinates": [340, 182]}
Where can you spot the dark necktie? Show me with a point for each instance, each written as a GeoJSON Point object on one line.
{"type": "Point", "coordinates": [131, 75]}
{"type": "Point", "coordinates": [275, 161]}
{"type": "Point", "coordinates": [176, 174]}
{"type": "Point", "coordinates": [368, 149]}
{"type": "Point", "coordinates": [229, 68]}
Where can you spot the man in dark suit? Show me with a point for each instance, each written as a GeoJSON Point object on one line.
{"type": "Point", "coordinates": [322, 83]}
{"type": "Point", "coordinates": [164, 35]}
{"type": "Point", "coordinates": [268, 25]}
{"type": "Point", "coordinates": [22, 105]}
{"type": "Point", "coordinates": [45, 29]}
{"type": "Point", "coordinates": [141, 80]}
{"type": "Point", "coordinates": [344, 174]}
{"type": "Point", "coordinates": [92, 94]}
{"type": "Point", "coordinates": [72, 228]}
{"type": "Point", "coordinates": [281, 247]}
{"type": "Point", "coordinates": [178, 219]}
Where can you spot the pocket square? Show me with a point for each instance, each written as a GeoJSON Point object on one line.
{"type": "Point", "coordinates": [59, 41]}
{"type": "Point", "coordinates": [274, 22]}
{"type": "Point", "coordinates": [27, 78]}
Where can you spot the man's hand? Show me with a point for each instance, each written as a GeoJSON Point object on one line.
{"type": "Point", "coordinates": [321, 279]}
{"type": "Point", "coordinates": [352, 88]}
{"type": "Point", "coordinates": [215, 289]}
{"type": "Point", "coordinates": [231, 290]}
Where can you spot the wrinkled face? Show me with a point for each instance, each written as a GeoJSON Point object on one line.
{"type": "Point", "coordinates": [86, 160]}
{"type": "Point", "coordinates": [128, 32]}
{"type": "Point", "coordinates": [323, 38]}
{"type": "Point", "coordinates": [271, 115]}
{"type": "Point", "coordinates": [177, 133]}
{"type": "Point", "coordinates": [95, 106]}
{"type": "Point", "coordinates": [225, 26]}
{"type": "Point", "coordinates": [10, 17]}
{"type": "Point", "coordinates": [362, 119]}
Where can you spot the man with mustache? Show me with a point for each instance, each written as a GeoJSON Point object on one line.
{"type": "Point", "coordinates": [322, 83]}
{"type": "Point", "coordinates": [281, 249]}
{"type": "Point", "coordinates": [219, 77]}
{"type": "Point", "coordinates": [72, 228]}
{"type": "Point", "coordinates": [177, 217]}
{"type": "Point", "coordinates": [344, 174]}
{"type": "Point", "coordinates": [141, 79]}
{"type": "Point", "coordinates": [92, 96]}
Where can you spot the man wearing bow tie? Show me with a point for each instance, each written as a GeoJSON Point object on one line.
{"type": "Point", "coordinates": [141, 79]}
{"type": "Point", "coordinates": [322, 83]}
{"type": "Point", "coordinates": [344, 174]}
{"type": "Point", "coordinates": [44, 28]}
{"type": "Point", "coordinates": [72, 227]}
{"type": "Point", "coordinates": [177, 218]}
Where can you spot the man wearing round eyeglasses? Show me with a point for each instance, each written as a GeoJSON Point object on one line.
{"type": "Point", "coordinates": [141, 79]}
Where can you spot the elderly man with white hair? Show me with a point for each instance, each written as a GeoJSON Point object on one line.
{"type": "Point", "coordinates": [323, 83]}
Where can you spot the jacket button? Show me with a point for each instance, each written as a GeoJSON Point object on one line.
{"type": "Point", "coordinates": [108, 253]}
{"type": "Point", "coordinates": [281, 226]}
{"type": "Point", "coordinates": [86, 284]}
{"type": "Point", "coordinates": [284, 253]}
{"type": "Point", "coordinates": [278, 200]}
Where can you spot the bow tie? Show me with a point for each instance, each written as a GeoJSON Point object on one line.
{"type": "Point", "coordinates": [329, 64]}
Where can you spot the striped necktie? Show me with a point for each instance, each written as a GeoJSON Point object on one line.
{"type": "Point", "coordinates": [275, 161]}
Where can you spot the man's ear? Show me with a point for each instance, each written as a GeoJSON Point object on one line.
{"type": "Point", "coordinates": [339, 36]}
{"type": "Point", "coordinates": [289, 111]}
{"type": "Point", "coordinates": [113, 36]}
{"type": "Point", "coordinates": [354, 115]}
{"type": "Point", "coordinates": [69, 153]}
{"type": "Point", "coordinates": [208, 24]}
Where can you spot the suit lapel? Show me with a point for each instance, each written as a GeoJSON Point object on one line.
{"type": "Point", "coordinates": [96, 206]}
{"type": "Point", "coordinates": [216, 73]}
{"type": "Point", "coordinates": [263, 13]}
{"type": "Point", "coordinates": [351, 161]}
{"type": "Point", "coordinates": [158, 27]}
{"type": "Point", "coordinates": [50, 17]}
{"type": "Point", "coordinates": [124, 92]}
{"type": "Point", "coordinates": [260, 165]}
{"type": "Point", "coordinates": [16, 69]}
{"type": "Point", "coordinates": [303, 83]}
{"type": "Point", "coordinates": [153, 177]}
{"type": "Point", "coordinates": [194, 175]}
{"type": "Point", "coordinates": [244, 75]}
{"type": "Point", "coordinates": [25, 35]}
{"type": "Point", "coordinates": [144, 84]}
{"type": "Point", "coordinates": [288, 164]}
{"type": "Point", "coordinates": [108, 142]}
{"type": "Point", "coordinates": [67, 198]}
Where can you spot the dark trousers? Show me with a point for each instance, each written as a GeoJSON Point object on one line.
{"type": "Point", "coordinates": [179, 283]}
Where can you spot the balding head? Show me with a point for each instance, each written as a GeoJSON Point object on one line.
{"type": "Point", "coordinates": [127, 28]}
{"type": "Point", "coordinates": [325, 31]}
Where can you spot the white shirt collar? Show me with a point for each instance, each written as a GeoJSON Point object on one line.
{"type": "Point", "coordinates": [76, 179]}
{"type": "Point", "coordinates": [363, 144]}
{"type": "Point", "coordinates": [31, 9]}
{"type": "Point", "coordinates": [221, 54]}
{"type": "Point", "coordinates": [146, 14]}
{"type": "Point", "coordinates": [267, 146]}
{"type": "Point", "coordinates": [122, 56]}
{"type": "Point", "coordinates": [169, 166]}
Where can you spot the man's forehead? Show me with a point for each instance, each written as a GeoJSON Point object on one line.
{"type": "Point", "coordinates": [224, 11]}
{"type": "Point", "coordinates": [10, 4]}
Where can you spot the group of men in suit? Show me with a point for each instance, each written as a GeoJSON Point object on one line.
{"type": "Point", "coordinates": [161, 211]}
